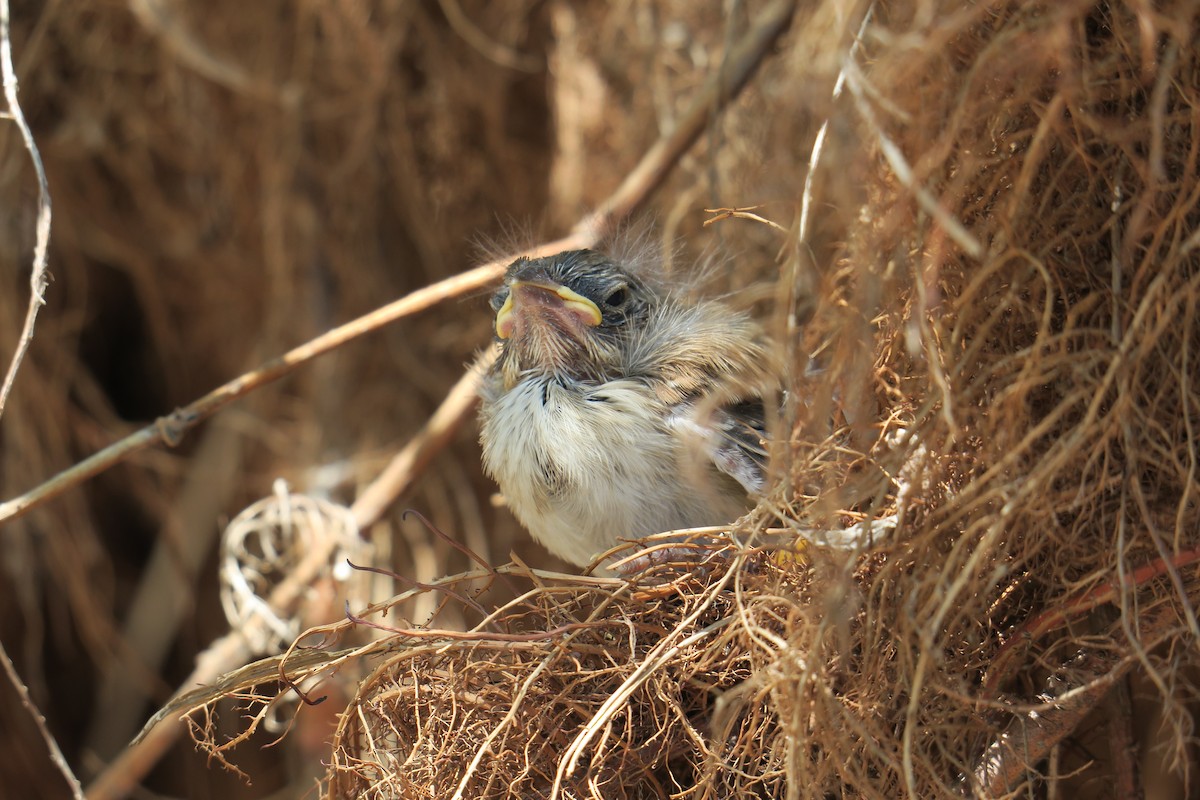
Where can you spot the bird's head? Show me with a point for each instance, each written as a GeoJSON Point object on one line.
{"type": "Point", "coordinates": [568, 314]}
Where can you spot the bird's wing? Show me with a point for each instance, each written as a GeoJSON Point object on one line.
{"type": "Point", "coordinates": [709, 365]}
{"type": "Point", "coordinates": [740, 450]}
{"type": "Point", "coordinates": [732, 437]}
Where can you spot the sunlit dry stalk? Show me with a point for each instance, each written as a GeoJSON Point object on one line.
{"type": "Point", "coordinates": [38, 277]}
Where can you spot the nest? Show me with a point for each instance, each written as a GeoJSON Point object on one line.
{"type": "Point", "coordinates": [605, 690]}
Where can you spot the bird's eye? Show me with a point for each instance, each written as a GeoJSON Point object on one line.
{"type": "Point", "coordinates": [617, 297]}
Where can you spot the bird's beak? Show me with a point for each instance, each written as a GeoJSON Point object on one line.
{"type": "Point", "coordinates": [547, 300]}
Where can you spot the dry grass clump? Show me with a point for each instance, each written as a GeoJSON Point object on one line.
{"type": "Point", "coordinates": [594, 690]}
{"type": "Point", "coordinates": [1044, 387]}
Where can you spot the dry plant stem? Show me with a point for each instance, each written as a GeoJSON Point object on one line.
{"type": "Point", "coordinates": [802, 250]}
{"type": "Point", "coordinates": [126, 771]}
{"type": "Point", "coordinates": [465, 600]}
{"type": "Point", "coordinates": [1075, 606]}
{"type": "Point", "coordinates": [165, 591]}
{"type": "Point", "coordinates": [1030, 738]}
{"type": "Point", "coordinates": [56, 755]}
{"type": "Point", "coordinates": [740, 213]}
{"type": "Point", "coordinates": [1032, 735]}
{"type": "Point", "coordinates": [38, 277]}
{"type": "Point", "coordinates": [475, 635]}
{"type": "Point", "coordinates": [408, 463]}
{"type": "Point", "coordinates": [903, 171]}
{"type": "Point", "coordinates": [736, 70]}
{"type": "Point", "coordinates": [490, 49]}
{"type": "Point", "coordinates": [814, 159]}
{"type": "Point", "coordinates": [163, 23]}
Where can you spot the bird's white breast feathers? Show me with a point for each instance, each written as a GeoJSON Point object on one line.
{"type": "Point", "coordinates": [583, 466]}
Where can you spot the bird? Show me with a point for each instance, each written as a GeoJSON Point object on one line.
{"type": "Point", "coordinates": [619, 406]}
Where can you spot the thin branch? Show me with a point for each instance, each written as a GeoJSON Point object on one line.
{"type": "Point", "coordinates": [232, 649]}
{"type": "Point", "coordinates": [490, 49]}
{"type": "Point", "coordinates": [740, 213]}
{"type": "Point", "coordinates": [736, 70]}
{"type": "Point", "coordinates": [38, 278]}
{"type": "Point", "coordinates": [408, 463]}
{"type": "Point", "coordinates": [818, 147]}
{"type": "Point", "coordinates": [56, 754]}
{"type": "Point", "coordinates": [162, 22]}
{"type": "Point", "coordinates": [1030, 737]}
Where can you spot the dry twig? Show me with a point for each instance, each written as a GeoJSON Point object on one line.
{"type": "Point", "coordinates": [38, 277]}
{"type": "Point", "coordinates": [55, 752]}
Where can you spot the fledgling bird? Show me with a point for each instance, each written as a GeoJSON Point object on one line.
{"type": "Point", "coordinates": [618, 408]}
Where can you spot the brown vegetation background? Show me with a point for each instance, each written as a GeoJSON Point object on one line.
{"type": "Point", "coordinates": [1001, 322]}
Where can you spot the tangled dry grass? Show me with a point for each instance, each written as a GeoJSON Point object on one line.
{"type": "Point", "coordinates": [992, 329]}
{"type": "Point", "coordinates": [588, 690]}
